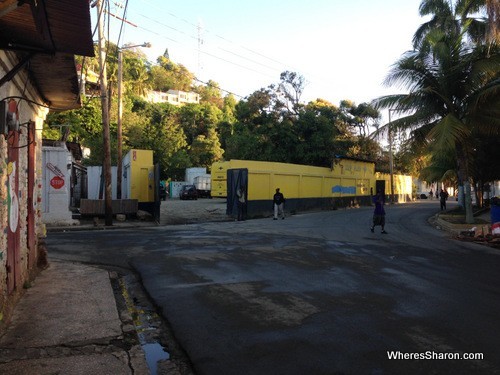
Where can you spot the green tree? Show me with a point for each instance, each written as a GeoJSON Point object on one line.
{"type": "Point", "coordinates": [453, 96]}
{"type": "Point", "coordinates": [177, 76]}
{"type": "Point", "coordinates": [161, 132]}
{"type": "Point", "coordinates": [210, 93]}
{"type": "Point", "coordinates": [199, 119]}
{"type": "Point", "coordinates": [205, 150]}
{"type": "Point", "coordinates": [289, 91]}
{"type": "Point", "coordinates": [226, 126]}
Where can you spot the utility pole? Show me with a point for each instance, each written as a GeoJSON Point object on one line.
{"type": "Point", "coordinates": [391, 163]}
{"type": "Point", "coordinates": [108, 204]}
{"type": "Point", "coordinates": [119, 128]}
{"type": "Point", "coordinates": [119, 140]}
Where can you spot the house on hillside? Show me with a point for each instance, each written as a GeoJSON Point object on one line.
{"type": "Point", "coordinates": [174, 97]}
{"type": "Point", "coordinates": [38, 44]}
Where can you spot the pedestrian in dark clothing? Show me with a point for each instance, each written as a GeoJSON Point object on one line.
{"type": "Point", "coordinates": [379, 212]}
{"type": "Point", "coordinates": [443, 196]}
{"type": "Point", "coordinates": [278, 203]}
{"type": "Point", "coordinates": [240, 193]}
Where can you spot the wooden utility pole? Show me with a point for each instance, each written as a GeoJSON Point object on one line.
{"type": "Point", "coordinates": [119, 127]}
{"type": "Point", "coordinates": [108, 207]}
{"type": "Point", "coordinates": [119, 138]}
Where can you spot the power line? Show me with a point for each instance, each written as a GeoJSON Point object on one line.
{"type": "Point", "coordinates": [196, 38]}
{"type": "Point", "coordinates": [207, 53]}
{"type": "Point", "coordinates": [215, 34]}
{"type": "Point", "coordinates": [221, 89]}
{"type": "Point", "coordinates": [204, 52]}
{"type": "Point", "coordinates": [212, 55]}
{"type": "Point", "coordinates": [316, 80]}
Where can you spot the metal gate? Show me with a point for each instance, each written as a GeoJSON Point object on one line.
{"type": "Point", "coordinates": [236, 179]}
{"type": "Point", "coordinates": [380, 186]}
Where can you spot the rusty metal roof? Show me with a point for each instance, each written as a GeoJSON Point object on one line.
{"type": "Point", "coordinates": [48, 33]}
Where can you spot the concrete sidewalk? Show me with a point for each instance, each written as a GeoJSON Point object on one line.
{"type": "Point", "coordinates": [68, 323]}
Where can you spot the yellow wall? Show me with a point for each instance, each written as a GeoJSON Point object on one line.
{"type": "Point", "coordinates": [141, 175]}
{"type": "Point", "coordinates": [347, 178]}
{"type": "Point", "coordinates": [219, 179]}
{"type": "Point", "coordinates": [402, 183]}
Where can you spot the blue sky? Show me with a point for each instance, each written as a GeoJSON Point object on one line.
{"type": "Point", "coordinates": [343, 48]}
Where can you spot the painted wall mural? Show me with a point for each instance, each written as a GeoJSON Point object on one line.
{"type": "Point", "coordinates": [12, 200]}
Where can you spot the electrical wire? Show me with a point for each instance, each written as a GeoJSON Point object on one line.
{"type": "Point", "coordinates": [124, 17]}
{"type": "Point", "coordinates": [211, 55]}
{"type": "Point", "coordinates": [164, 25]}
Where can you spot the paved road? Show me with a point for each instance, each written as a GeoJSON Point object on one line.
{"type": "Point", "coordinates": [317, 293]}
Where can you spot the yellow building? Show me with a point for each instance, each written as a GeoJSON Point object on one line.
{"type": "Point", "coordinates": [348, 182]}
{"type": "Point", "coordinates": [138, 176]}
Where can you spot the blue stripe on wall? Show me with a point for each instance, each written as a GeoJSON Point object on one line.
{"type": "Point", "coordinates": [344, 189]}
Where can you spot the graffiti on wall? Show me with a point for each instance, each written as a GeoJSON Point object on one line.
{"type": "Point", "coordinates": [12, 200]}
{"type": "Point", "coordinates": [344, 189]}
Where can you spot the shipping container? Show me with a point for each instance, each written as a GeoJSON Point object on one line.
{"type": "Point", "coordinates": [203, 185]}
{"type": "Point", "coordinates": [192, 173]}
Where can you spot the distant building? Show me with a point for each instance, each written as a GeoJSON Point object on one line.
{"type": "Point", "coordinates": [175, 97]}
{"type": "Point", "coordinates": [89, 86]}
{"type": "Point", "coordinates": [88, 81]}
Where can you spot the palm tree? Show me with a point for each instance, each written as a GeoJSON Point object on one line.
{"type": "Point", "coordinates": [480, 19]}
{"type": "Point", "coordinates": [454, 95]}
{"type": "Point", "coordinates": [493, 10]}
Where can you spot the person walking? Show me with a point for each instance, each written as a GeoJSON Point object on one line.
{"type": "Point", "coordinates": [443, 196]}
{"type": "Point", "coordinates": [431, 194]}
{"type": "Point", "coordinates": [379, 212]}
{"type": "Point", "coordinates": [278, 203]}
{"type": "Point", "coordinates": [240, 193]}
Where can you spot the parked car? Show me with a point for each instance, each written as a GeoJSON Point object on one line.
{"type": "Point", "coordinates": [188, 192]}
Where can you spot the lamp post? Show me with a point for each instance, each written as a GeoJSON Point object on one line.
{"type": "Point", "coordinates": [391, 163]}
{"type": "Point", "coordinates": [120, 115]}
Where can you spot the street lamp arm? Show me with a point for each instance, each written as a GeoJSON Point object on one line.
{"type": "Point", "coordinates": [145, 44]}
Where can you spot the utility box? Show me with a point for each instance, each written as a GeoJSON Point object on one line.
{"type": "Point", "coordinates": [138, 181]}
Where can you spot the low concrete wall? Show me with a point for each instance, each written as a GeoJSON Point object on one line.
{"type": "Point", "coordinates": [458, 228]}
{"type": "Point", "coordinates": [97, 207]}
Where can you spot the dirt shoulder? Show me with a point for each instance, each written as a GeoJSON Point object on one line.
{"type": "Point", "coordinates": [175, 211]}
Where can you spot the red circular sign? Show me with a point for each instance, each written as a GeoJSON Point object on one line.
{"type": "Point", "coordinates": [57, 182]}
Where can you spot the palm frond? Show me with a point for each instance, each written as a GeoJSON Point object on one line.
{"type": "Point", "coordinates": [449, 132]}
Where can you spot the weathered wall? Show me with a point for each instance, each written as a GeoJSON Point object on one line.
{"type": "Point", "coordinates": [56, 177]}
{"type": "Point", "coordinates": [14, 197]}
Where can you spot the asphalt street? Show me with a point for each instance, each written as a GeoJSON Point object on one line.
{"type": "Point", "coordinates": [316, 293]}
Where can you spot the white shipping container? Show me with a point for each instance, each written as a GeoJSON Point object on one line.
{"type": "Point", "coordinates": [203, 182]}
{"type": "Point", "coordinates": [191, 173]}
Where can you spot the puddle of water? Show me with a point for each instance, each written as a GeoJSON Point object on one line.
{"type": "Point", "coordinates": [146, 323]}
{"type": "Point", "coordinates": [154, 353]}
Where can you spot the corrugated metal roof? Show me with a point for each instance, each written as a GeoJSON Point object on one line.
{"type": "Point", "coordinates": [55, 31]}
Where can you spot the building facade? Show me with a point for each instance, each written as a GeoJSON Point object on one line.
{"type": "Point", "coordinates": [37, 75]}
